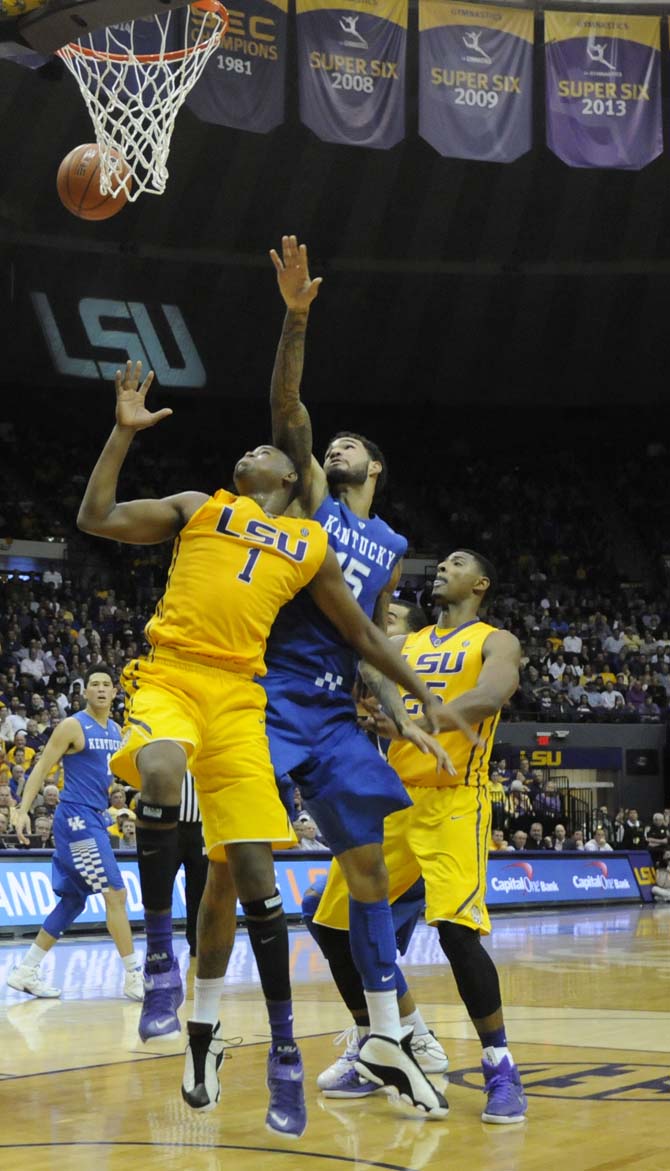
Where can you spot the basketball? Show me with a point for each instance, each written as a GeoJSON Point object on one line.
{"type": "Point", "coordinates": [78, 184]}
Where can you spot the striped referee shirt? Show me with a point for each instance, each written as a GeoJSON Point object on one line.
{"type": "Point", "coordinates": [189, 809]}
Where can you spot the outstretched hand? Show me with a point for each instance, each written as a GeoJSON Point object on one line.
{"type": "Point", "coordinates": [131, 411]}
{"type": "Point", "coordinates": [295, 284]}
{"type": "Point", "coordinates": [379, 722]}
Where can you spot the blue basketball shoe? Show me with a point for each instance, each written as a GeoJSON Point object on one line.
{"type": "Point", "coordinates": [163, 993]}
{"type": "Point", "coordinates": [506, 1100]}
{"type": "Point", "coordinates": [285, 1077]}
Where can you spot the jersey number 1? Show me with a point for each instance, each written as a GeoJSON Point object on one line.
{"type": "Point", "coordinates": [252, 558]}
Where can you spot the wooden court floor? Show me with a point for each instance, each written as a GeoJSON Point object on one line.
{"type": "Point", "coordinates": [588, 1014]}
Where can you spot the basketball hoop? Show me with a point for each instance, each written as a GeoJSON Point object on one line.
{"type": "Point", "coordinates": [134, 97]}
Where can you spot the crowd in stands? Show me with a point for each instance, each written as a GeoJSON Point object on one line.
{"type": "Point", "coordinates": [50, 633]}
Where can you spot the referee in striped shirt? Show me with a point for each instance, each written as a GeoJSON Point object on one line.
{"type": "Point", "coordinates": [191, 852]}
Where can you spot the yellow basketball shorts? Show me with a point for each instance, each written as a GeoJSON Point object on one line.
{"type": "Point", "coordinates": [443, 836]}
{"type": "Point", "coordinates": [219, 719]}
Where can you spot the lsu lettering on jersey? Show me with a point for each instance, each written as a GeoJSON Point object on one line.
{"type": "Point", "coordinates": [87, 773]}
{"type": "Point", "coordinates": [303, 640]}
{"type": "Point", "coordinates": [233, 568]}
{"type": "Point", "coordinates": [449, 662]}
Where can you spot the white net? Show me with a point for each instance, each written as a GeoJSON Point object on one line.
{"type": "Point", "coordinates": [134, 79]}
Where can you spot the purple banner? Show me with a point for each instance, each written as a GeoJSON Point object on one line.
{"type": "Point", "coordinates": [351, 63]}
{"type": "Point", "coordinates": [243, 85]}
{"type": "Point", "coordinates": [603, 89]}
{"type": "Point", "coordinates": [475, 80]}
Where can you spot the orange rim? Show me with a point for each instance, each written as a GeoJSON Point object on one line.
{"type": "Point", "coordinates": [75, 49]}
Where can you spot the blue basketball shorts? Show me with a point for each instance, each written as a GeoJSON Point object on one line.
{"type": "Point", "coordinates": [83, 861]}
{"type": "Point", "coordinates": [346, 784]}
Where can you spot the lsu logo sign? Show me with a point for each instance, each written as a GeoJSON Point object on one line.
{"type": "Point", "coordinates": [585, 1081]}
{"type": "Point", "coordinates": [543, 758]}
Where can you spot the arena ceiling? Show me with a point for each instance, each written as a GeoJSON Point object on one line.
{"type": "Point", "coordinates": [444, 278]}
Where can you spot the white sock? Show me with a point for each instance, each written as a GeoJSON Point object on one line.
{"type": "Point", "coordinates": [384, 1015]}
{"type": "Point", "coordinates": [131, 962]}
{"type": "Point", "coordinates": [363, 1031]}
{"type": "Point", "coordinates": [207, 999]}
{"type": "Point", "coordinates": [494, 1055]}
{"type": "Point", "coordinates": [417, 1022]}
{"type": "Point", "coordinates": [33, 957]}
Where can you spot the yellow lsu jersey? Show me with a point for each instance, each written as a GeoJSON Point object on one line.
{"type": "Point", "coordinates": [449, 662]}
{"type": "Point", "coordinates": [233, 568]}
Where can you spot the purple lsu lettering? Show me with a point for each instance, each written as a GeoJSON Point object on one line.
{"type": "Point", "coordinates": [259, 532]}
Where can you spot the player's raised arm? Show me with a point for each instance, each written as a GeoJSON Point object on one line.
{"type": "Point", "coordinates": [137, 522]}
{"type": "Point", "coordinates": [332, 595]}
{"type": "Point", "coordinates": [291, 424]}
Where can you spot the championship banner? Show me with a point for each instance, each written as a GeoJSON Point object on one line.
{"type": "Point", "coordinates": [351, 63]}
{"type": "Point", "coordinates": [603, 89]}
{"type": "Point", "coordinates": [243, 85]}
{"type": "Point", "coordinates": [476, 80]}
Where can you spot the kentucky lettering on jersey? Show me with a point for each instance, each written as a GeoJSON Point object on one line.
{"type": "Point", "coordinates": [87, 775]}
{"type": "Point", "coordinates": [449, 661]}
{"type": "Point", "coordinates": [233, 568]}
{"type": "Point", "coordinates": [303, 641]}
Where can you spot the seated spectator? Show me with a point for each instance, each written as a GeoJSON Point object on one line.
{"type": "Point", "coordinates": [651, 712]}
{"type": "Point", "coordinates": [498, 842]}
{"type": "Point", "coordinates": [8, 803]}
{"type": "Point", "coordinates": [619, 714]}
{"type": "Point", "coordinates": [50, 798]}
{"type": "Point", "coordinates": [657, 837]}
{"type": "Point", "coordinates": [609, 696]}
{"type": "Point", "coordinates": [661, 888]}
{"type": "Point", "coordinates": [518, 840]}
{"type": "Point", "coordinates": [584, 712]}
{"type": "Point", "coordinates": [518, 808]}
{"type": "Point", "coordinates": [632, 837]}
{"type": "Point", "coordinates": [598, 843]}
{"type": "Point", "coordinates": [576, 841]}
{"type": "Point", "coordinates": [559, 839]}
{"type": "Point", "coordinates": [25, 755]}
{"type": "Point", "coordinates": [117, 805]}
{"type": "Point", "coordinates": [562, 710]}
{"type": "Point", "coordinates": [635, 696]}
{"type": "Point", "coordinates": [536, 837]}
{"type": "Point", "coordinates": [127, 840]}
{"type": "Point", "coordinates": [5, 770]}
{"type": "Point", "coordinates": [35, 738]}
{"type": "Point", "coordinates": [7, 839]}
{"type": "Point", "coordinates": [307, 833]}
{"type": "Point", "coordinates": [42, 829]}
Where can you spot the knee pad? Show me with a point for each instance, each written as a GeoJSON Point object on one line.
{"type": "Point", "coordinates": [154, 814]}
{"type": "Point", "coordinates": [371, 925]}
{"type": "Point", "coordinates": [267, 908]}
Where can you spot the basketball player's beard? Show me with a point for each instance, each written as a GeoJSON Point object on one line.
{"type": "Point", "coordinates": [342, 477]}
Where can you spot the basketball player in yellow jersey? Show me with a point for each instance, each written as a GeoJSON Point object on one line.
{"type": "Point", "coordinates": [474, 669]}
{"type": "Point", "coordinates": [193, 701]}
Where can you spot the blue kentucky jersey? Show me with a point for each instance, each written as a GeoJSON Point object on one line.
{"type": "Point", "coordinates": [87, 774]}
{"type": "Point", "coordinates": [303, 641]}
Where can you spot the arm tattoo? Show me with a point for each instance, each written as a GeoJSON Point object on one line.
{"type": "Point", "coordinates": [291, 425]}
